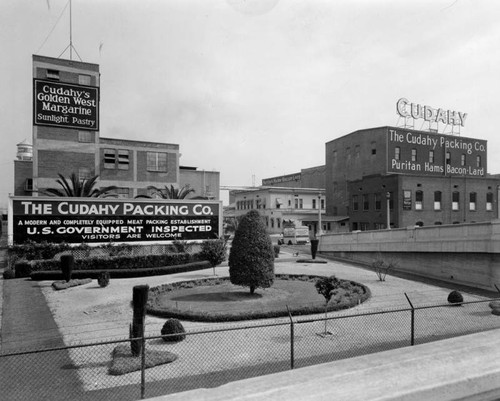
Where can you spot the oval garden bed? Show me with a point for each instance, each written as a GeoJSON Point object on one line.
{"type": "Point", "coordinates": [217, 300]}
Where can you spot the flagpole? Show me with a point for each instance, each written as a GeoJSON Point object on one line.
{"type": "Point", "coordinates": [70, 33]}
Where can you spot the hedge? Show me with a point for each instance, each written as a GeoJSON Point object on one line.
{"type": "Point", "coordinates": [124, 273]}
{"type": "Point", "coordinates": [118, 262]}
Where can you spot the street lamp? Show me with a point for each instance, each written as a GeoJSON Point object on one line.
{"type": "Point", "coordinates": [319, 215]}
{"type": "Point", "coordinates": [388, 197]}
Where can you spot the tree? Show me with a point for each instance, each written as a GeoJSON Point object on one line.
{"type": "Point", "coordinates": [169, 193]}
{"type": "Point", "coordinates": [251, 259]}
{"type": "Point", "coordinates": [214, 251]}
{"type": "Point", "coordinates": [76, 188]}
{"type": "Point", "coordinates": [325, 287]}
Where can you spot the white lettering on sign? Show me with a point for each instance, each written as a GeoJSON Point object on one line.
{"type": "Point", "coordinates": [416, 111]}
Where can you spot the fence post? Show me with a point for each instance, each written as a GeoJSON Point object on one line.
{"type": "Point", "coordinates": [143, 364]}
{"type": "Point", "coordinates": [412, 320]}
{"type": "Point", "coordinates": [292, 336]}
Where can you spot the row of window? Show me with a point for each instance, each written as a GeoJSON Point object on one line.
{"type": "Point", "coordinates": [431, 157]}
{"type": "Point", "coordinates": [261, 204]}
{"type": "Point", "coordinates": [356, 152]}
{"type": "Point", "coordinates": [120, 159]}
{"type": "Point", "coordinates": [367, 199]}
{"type": "Point", "coordinates": [83, 79]}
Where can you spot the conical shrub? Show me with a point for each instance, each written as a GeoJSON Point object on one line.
{"type": "Point", "coordinates": [251, 259]}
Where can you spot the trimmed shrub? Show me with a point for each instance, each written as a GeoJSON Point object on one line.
{"type": "Point", "coordinates": [251, 260]}
{"type": "Point", "coordinates": [173, 330]}
{"type": "Point", "coordinates": [494, 304]}
{"type": "Point", "coordinates": [8, 274]}
{"type": "Point", "coordinates": [214, 251]}
{"type": "Point", "coordinates": [22, 269]}
{"type": "Point", "coordinates": [67, 263]}
{"type": "Point", "coordinates": [103, 279]}
{"type": "Point", "coordinates": [455, 298]}
{"type": "Point", "coordinates": [276, 249]}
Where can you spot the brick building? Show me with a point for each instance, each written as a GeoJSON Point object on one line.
{"type": "Point", "coordinates": [404, 177]}
{"type": "Point", "coordinates": [66, 140]}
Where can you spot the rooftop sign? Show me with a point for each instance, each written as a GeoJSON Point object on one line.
{"type": "Point", "coordinates": [416, 111]}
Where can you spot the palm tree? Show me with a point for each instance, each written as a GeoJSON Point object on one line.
{"type": "Point", "coordinates": [76, 188]}
{"type": "Point", "coordinates": [169, 193]}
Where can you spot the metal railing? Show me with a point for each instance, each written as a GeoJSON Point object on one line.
{"type": "Point", "coordinates": [212, 357]}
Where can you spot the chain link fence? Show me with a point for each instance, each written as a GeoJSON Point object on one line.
{"type": "Point", "coordinates": [210, 358]}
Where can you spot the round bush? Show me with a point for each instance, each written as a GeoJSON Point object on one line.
{"type": "Point", "coordinates": [8, 274]}
{"type": "Point", "coordinates": [455, 297]}
{"type": "Point", "coordinates": [173, 326]}
{"type": "Point", "coordinates": [103, 279]}
{"type": "Point", "coordinates": [496, 311]}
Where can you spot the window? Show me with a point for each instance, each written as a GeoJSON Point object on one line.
{"type": "Point", "coordinates": [366, 202]}
{"type": "Point", "coordinates": [478, 161]}
{"type": "Point", "coordinates": [355, 203]}
{"type": "Point", "coordinates": [334, 156]}
{"type": "Point", "coordinates": [431, 156]}
{"type": "Point", "coordinates": [364, 226]}
{"type": "Point", "coordinates": [448, 157]}
{"type": "Point", "coordinates": [84, 79]}
{"type": "Point", "coordinates": [278, 223]}
{"type": "Point", "coordinates": [419, 200]}
{"type": "Point", "coordinates": [272, 222]}
{"type": "Point", "coordinates": [28, 185]}
{"type": "Point", "coordinates": [462, 160]}
{"type": "Point", "coordinates": [301, 203]}
{"type": "Point", "coordinates": [455, 203]}
{"type": "Point", "coordinates": [296, 203]}
{"type": "Point", "coordinates": [156, 161]}
{"type": "Point", "coordinates": [437, 200]}
{"type": "Point", "coordinates": [122, 192]}
{"type": "Point", "coordinates": [414, 155]}
{"type": "Point", "coordinates": [53, 74]}
{"type": "Point", "coordinates": [378, 201]}
{"type": "Point", "coordinates": [472, 201]}
{"type": "Point", "coordinates": [85, 136]}
{"type": "Point", "coordinates": [314, 204]}
{"type": "Point", "coordinates": [109, 158]}
{"type": "Point", "coordinates": [489, 201]}
{"type": "Point", "coordinates": [356, 151]}
{"type": "Point", "coordinates": [397, 153]}
{"type": "Point", "coordinates": [374, 148]}
{"type": "Point", "coordinates": [348, 154]}
{"type": "Point", "coordinates": [322, 203]}
{"type": "Point", "coordinates": [123, 160]}
{"type": "Point", "coordinates": [83, 173]}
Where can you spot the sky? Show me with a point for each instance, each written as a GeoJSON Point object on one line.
{"type": "Point", "coordinates": [254, 89]}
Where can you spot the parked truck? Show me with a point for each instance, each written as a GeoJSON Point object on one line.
{"type": "Point", "coordinates": [295, 235]}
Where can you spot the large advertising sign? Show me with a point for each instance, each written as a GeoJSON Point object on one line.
{"type": "Point", "coordinates": [426, 153]}
{"type": "Point", "coordinates": [82, 220]}
{"type": "Point", "coordinates": [65, 105]}
{"type": "Point", "coordinates": [282, 179]}
{"type": "Point", "coordinates": [417, 111]}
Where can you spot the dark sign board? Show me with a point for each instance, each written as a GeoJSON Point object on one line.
{"type": "Point", "coordinates": [65, 105]}
{"type": "Point", "coordinates": [81, 220]}
{"type": "Point", "coordinates": [428, 153]}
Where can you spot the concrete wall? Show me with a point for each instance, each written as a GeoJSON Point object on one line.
{"type": "Point", "coordinates": [466, 254]}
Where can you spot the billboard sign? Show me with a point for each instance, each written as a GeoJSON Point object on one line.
{"type": "Point", "coordinates": [282, 179]}
{"type": "Point", "coordinates": [65, 105]}
{"type": "Point", "coordinates": [90, 220]}
{"type": "Point", "coordinates": [424, 153]}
